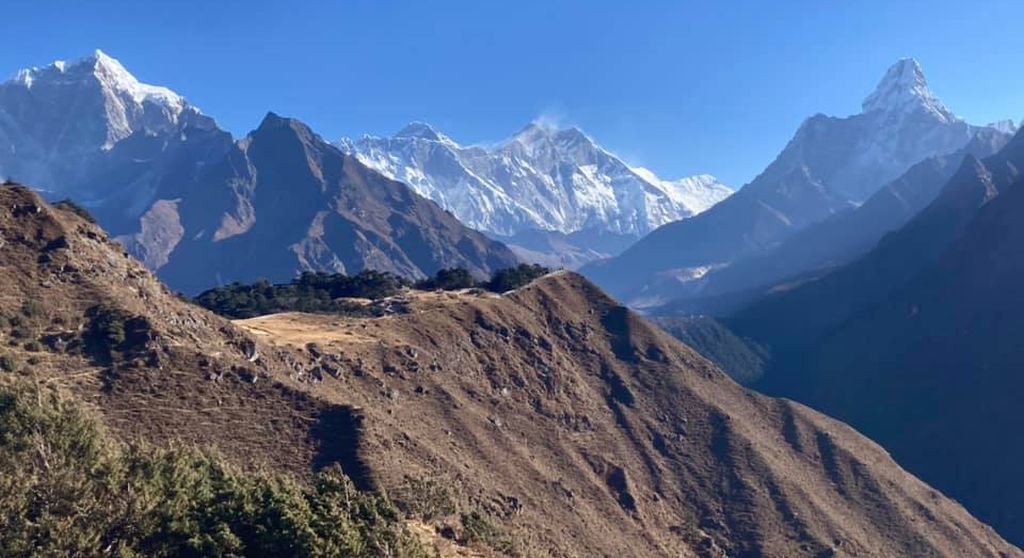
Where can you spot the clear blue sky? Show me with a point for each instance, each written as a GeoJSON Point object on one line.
{"type": "Point", "coordinates": [713, 86]}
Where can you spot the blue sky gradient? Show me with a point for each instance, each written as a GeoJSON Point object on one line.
{"type": "Point", "coordinates": [680, 87]}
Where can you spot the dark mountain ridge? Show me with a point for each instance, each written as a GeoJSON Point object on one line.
{"type": "Point", "coordinates": [285, 200]}
{"type": "Point", "coordinates": [914, 343]}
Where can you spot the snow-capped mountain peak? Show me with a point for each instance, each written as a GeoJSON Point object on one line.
{"type": "Point", "coordinates": [574, 138]}
{"type": "Point", "coordinates": [129, 104]}
{"type": "Point", "coordinates": [698, 193]}
{"type": "Point", "coordinates": [62, 125]}
{"type": "Point", "coordinates": [544, 141]}
{"type": "Point", "coordinates": [905, 90]}
{"type": "Point", "coordinates": [533, 132]}
{"type": "Point", "coordinates": [422, 130]}
{"type": "Point", "coordinates": [532, 137]}
{"type": "Point", "coordinates": [543, 131]}
{"type": "Point", "coordinates": [110, 74]}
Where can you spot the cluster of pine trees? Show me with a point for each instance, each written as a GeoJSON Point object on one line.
{"type": "Point", "coordinates": [330, 293]}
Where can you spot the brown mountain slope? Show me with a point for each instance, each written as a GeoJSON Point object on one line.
{"type": "Point", "coordinates": [611, 438]}
{"type": "Point", "coordinates": [579, 427]}
{"type": "Point", "coordinates": [68, 295]}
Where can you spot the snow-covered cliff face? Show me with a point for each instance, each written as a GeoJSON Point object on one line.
{"type": "Point", "coordinates": [543, 178]}
{"type": "Point", "coordinates": [125, 104]}
{"type": "Point", "coordinates": [902, 122]}
{"type": "Point", "coordinates": [90, 130]}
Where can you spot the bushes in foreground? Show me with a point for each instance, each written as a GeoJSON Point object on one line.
{"type": "Point", "coordinates": [8, 363]}
{"type": "Point", "coordinates": [67, 489]}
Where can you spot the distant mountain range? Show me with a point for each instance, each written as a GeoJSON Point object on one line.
{"type": "Point", "coordinates": [553, 193]}
{"type": "Point", "coordinates": [831, 166]}
{"type": "Point", "coordinates": [201, 208]}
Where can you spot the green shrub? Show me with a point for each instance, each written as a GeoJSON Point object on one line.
{"type": "Point", "coordinates": [8, 363]}
{"type": "Point", "coordinates": [22, 331]}
{"type": "Point", "coordinates": [365, 284]}
{"type": "Point", "coordinates": [325, 293]}
{"type": "Point", "coordinates": [32, 309]}
{"type": "Point", "coordinates": [426, 499]}
{"type": "Point", "coordinates": [451, 279]}
{"type": "Point", "coordinates": [67, 489]}
{"type": "Point", "coordinates": [478, 528]}
{"type": "Point", "coordinates": [115, 332]}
